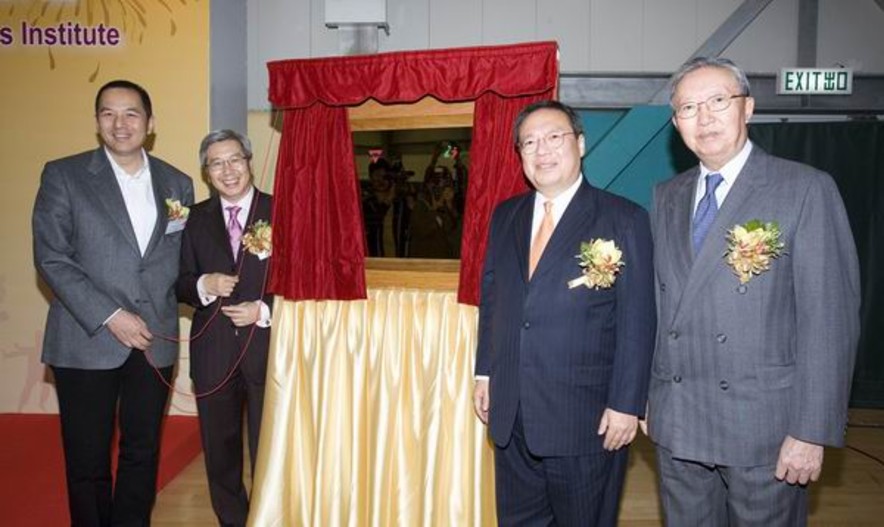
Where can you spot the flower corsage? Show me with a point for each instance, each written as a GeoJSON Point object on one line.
{"type": "Point", "coordinates": [258, 239]}
{"type": "Point", "coordinates": [175, 211]}
{"type": "Point", "coordinates": [751, 247]}
{"type": "Point", "coordinates": [601, 261]}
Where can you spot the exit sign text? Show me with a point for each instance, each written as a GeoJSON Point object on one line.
{"type": "Point", "coordinates": [815, 81]}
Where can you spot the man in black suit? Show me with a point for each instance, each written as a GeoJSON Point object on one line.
{"type": "Point", "coordinates": [564, 349]}
{"type": "Point", "coordinates": [223, 274]}
{"type": "Point", "coordinates": [107, 230]}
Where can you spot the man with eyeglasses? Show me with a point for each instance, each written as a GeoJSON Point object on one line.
{"type": "Point", "coordinates": [758, 312]}
{"type": "Point", "coordinates": [223, 275]}
{"type": "Point", "coordinates": [564, 349]}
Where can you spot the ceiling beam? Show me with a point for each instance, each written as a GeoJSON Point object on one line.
{"type": "Point", "coordinates": [808, 23]}
{"type": "Point", "coordinates": [722, 37]}
{"type": "Point", "coordinates": [594, 91]}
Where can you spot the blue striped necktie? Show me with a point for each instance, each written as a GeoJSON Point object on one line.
{"type": "Point", "coordinates": [706, 211]}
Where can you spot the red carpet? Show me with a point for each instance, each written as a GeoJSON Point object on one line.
{"type": "Point", "coordinates": [32, 487]}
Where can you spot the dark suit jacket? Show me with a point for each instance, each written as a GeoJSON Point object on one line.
{"type": "Point", "coordinates": [86, 251]}
{"type": "Point", "coordinates": [205, 249]}
{"type": "Point", "coordinates": [738, 367]}
{"type": "Point", "coordinates": [562, 354]}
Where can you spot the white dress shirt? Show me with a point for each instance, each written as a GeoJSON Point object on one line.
{"type": "Point", "coordinates": [140, 201]}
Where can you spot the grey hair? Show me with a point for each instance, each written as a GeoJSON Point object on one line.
{"type": "Point", "coordinates": [709, 62]}
{"type": "Point", "coordinates": [217, 136]}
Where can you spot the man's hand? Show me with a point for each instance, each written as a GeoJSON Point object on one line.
{"type": "Point", "coordinates": [643, 423]}
{"type": "Point", "coordinates": [218, 284]}
{"type": "Point", "coordinates": [619, 429]}
{"type": "Point", "coordinates": [244, 314]}
{"type": "Point", "coordinates": [130, 330]}
{"type": "Point", "coordinates": [800, 462]}
{"type": "Point", "coordinates": [482, 400]}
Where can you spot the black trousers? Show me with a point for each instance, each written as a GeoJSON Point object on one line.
{"type": "Point", "coordinates": [89, 401]}
{"type": "Point", "coordinates": [221, 418]}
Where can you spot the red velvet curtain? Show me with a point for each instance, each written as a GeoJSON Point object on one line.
{"type": "Point", "coordinates": [318, 245]}
{"type": "Point", "coordinates": [318, 239]}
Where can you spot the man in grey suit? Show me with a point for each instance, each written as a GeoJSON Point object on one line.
{"type": "Point", "coordinates": [758, 311]}
{"type": "Point", "coordinates": [107, 232]}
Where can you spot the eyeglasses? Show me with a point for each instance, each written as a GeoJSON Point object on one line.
{"type": "Point", "coordinates": [553, 140]}
{"type": "Point", "coordinates": [716, 103]}
{"type": "Point", "coordinates": [236, 162]}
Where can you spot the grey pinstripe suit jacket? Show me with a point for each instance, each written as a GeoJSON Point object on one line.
{"type": "Point", "coordinates": [86, 250]}
{"type": "Point", "coordinates": [737, 368]}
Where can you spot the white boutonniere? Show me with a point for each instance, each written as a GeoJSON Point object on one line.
{"type": "Point", "coordinates": [601, 261]}
{"type": "Point", "coordinates": [751, 247]}
{"type": "Point", "coordinates": [258, 239]}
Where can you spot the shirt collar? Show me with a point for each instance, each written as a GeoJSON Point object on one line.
{"type": "Point", "coordinates": [244, 202]}
{"type": "Point", "coordinates": [121, 173]}
{"type": "Point", "coordinates": [560, 202]}
{"type": "Point", "coordinates": [732, 168]}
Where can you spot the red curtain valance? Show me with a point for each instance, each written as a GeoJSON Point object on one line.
{"type": "Point", "coordinates": [449, 75]}
{"type": "Point", "coordinates": [318, 240]}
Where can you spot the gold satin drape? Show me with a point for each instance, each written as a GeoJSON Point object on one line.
{"type": "Point", "coordinates": [368, 417]}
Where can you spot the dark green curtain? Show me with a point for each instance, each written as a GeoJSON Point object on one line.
{"type": "Point", "coordinates": [853, 153]}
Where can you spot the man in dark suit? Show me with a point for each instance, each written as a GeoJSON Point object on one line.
{"type": "Point", "coordinates": [107, 232]}
{"type": "Point", "coordinates": [223, 274]}
{"type": "Point", "coordinates": [758, 297]}
{"type": "Point", "coordinates": [564, 350]}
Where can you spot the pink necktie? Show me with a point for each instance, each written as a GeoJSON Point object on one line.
{"type": "Point", "coordinates": [544, 233]}
{"type": "Point", "coordinates": [234, 229]}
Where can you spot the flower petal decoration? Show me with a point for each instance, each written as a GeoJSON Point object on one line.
{"type": "Point", "coordinates": [752, 247]}
{"type": "Point", "coordinates": [258, 239]}
{"type": "Point", "coordinates": [175, 210]}
{"type": "Point", "coordinates": [601, 261]}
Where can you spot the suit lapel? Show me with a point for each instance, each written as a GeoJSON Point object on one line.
{"type": "Point", "coordinates": [161, 191]}
{"type": "Point", "coordinates": [256, 211]}
{"type": "Point", "coordinates": [677, 219]}
{"type": "Point", "coordinates": [749, 185]}
{"type": "Point", "coordinates": [217, 228]}
{"type": "Point", "coordinates": [107, 193]}
{"type": "Point", "coordinates": [263, 206]}
{"type": "Point", "coordinates": [522, 233]}
{"type": "Point", "coordinates": [260, 210]}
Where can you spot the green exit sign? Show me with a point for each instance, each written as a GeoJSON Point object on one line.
{"type": "Point", "coordinates": [815, 81]}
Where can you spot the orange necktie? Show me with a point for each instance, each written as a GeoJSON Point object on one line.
{"type": "Point", "coordinates": [544, 233]}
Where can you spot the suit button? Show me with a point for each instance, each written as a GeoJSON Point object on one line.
{"type": "Point", "coordinates": [676, 379]}
{"type": "Point", "coordinates": [526, 325]}
{"type": "Point", "coordinates": [723, 385]}
{"type": "Point", "coordinates": [663, 287]}
{"type": "Point", "coordinates": [742, 289]}
{"type": "Point", "coordinates": [721, 338]}
{"type": "Point", "coordinates": [673, 335]}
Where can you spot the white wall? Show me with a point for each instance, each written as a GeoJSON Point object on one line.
{"type": "Point", "coordinates": [593, 35]}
